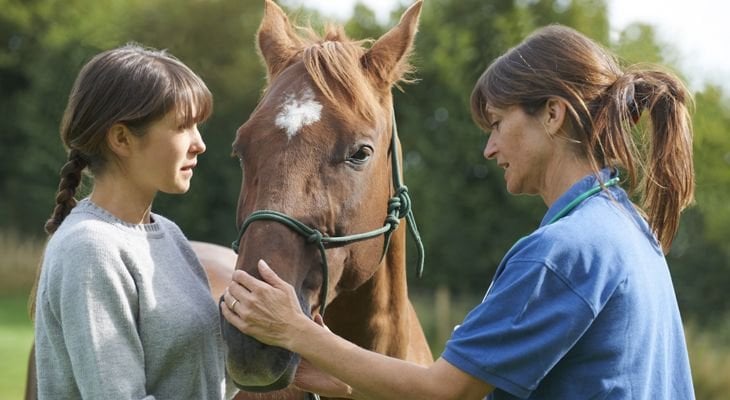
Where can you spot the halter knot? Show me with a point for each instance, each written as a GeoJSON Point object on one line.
{"type": "Point", "coordinates": [404, 201]}
{"type": "Point", "coordinates": [393, 220]}
{"type": "Point", "coordinates": [315, 237]}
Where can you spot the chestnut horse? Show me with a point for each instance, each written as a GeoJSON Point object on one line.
{"type": "Point", "coordinates": [321, 194]}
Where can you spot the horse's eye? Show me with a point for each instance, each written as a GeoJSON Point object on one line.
{"type": "Point", "coordinates": [361, 155]}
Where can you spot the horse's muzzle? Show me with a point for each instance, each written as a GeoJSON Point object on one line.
{"type": "Point", "coordinates": [254, 366]}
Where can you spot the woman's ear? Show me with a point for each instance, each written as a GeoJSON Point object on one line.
{"type": "Point", "coordinates": [554, 118]}
{"type": "Point", "coordinates": [119, 140]}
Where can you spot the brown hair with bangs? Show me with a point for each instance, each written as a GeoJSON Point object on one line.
{"type": "Point", "coordinates": [131, 85]}
{"type": "Point", "coordinates": [604, 103]}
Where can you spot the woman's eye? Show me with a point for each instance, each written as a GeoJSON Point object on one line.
{"type": "Point", "coordinates": [361, 155]}
{"type": "Point", "coordinates": [495, 125]}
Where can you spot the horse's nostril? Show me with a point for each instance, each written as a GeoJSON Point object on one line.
{"type": "Point", "coordinates": [257, 367]}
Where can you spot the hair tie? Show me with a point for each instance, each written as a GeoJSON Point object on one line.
{"type": "Point", "coordinates": [637, 99]}
{"type": "Point", "coordinates": [634, 110]}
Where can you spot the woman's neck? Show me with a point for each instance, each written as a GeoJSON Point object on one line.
{"type": "Point", "coordinates": [122, 199]}
{"type": "Point", "coordinates": [562, 177]}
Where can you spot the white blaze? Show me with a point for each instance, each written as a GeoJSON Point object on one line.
{"type": "Point", "coordinates": [297, 113]}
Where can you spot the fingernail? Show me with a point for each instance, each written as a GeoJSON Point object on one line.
{"type": "Point", "coordinates": [262, 263]}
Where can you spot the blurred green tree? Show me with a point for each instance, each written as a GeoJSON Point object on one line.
{"type": "Point", "coordinates": [39, 62]}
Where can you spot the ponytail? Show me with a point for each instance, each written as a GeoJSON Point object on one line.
{"type": "Point", "coordinates": [669, 181]}
{"type": "Point", "coordinates": [659, 168]}
{"type": "Point", "coordinates": [65, 197]}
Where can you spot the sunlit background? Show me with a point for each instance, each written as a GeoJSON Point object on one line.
{"type": "Point", "coordinates": [697, 32]}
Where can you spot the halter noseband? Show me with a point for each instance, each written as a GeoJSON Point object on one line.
{"type": "Point", "coordinates": [399, 206]}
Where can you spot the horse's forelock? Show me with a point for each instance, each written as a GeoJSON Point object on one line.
{"type": "Point", "coordinates": [334, 62]}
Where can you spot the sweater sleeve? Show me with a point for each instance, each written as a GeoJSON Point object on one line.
{"type": "Point", "coordinates": [94, 300]}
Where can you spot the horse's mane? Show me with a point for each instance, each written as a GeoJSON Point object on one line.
{"type": "Point", "coordinates": [337, 67]}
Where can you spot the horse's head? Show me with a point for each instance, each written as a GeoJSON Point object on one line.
{"type": "Point", "coordinates": [317, 149]}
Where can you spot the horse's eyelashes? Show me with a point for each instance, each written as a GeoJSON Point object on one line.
{"type": "Point", "coordinates": [361, 155]}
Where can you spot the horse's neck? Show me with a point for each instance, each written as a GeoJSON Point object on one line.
{"type": "Point", "coordinates": [376, 315]}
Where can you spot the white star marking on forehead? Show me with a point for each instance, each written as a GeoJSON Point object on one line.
{"type": "Point", "coordinates": [297, 113]}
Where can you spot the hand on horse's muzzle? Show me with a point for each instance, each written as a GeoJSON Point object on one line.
{"type": "Point", "coordinates": [260, 316]}
{"type": "Point", "coordinates": [267, 309]}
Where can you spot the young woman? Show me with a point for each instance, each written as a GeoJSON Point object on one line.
{"type": "Point", "coordinates": [123, 309]}
{"type": "Point", "coordinates": [584, 306]}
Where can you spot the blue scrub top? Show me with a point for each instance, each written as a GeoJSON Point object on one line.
{"type": "Point", "coordinates": [581, 308]}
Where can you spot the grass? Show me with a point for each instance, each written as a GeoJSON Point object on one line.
{"type": "Point", "coordinates": [439, 312]}
{"type": "Point", "coordinates": [21, 256]}
{"type": "Point", "coordinates": [17, 273]}
{"type": "Point", "coordinates": [16, 337]}
{"type": "Point", "coordinates": [709, 353]}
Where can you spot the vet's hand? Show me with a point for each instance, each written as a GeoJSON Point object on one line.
{"type": "Point", "coordinates": [266, 309]}
{"type": "Point", "coordinates": [311, 379]}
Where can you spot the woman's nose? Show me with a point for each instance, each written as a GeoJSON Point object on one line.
{"type": "Point", "coordinates": [198, 145]}
{"type": "Point", "coordinates": [490, 149]}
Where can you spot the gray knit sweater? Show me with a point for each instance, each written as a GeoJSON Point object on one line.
{"type": "Point", "coordinates": [124, 311]}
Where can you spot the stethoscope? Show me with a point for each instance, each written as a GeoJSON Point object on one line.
{"type": "Point", "coordinates": [588, 193]}
{"type": "Point", "coordinates": [566, 210]}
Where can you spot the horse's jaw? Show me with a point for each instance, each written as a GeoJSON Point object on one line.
{"type": "Point", "coordinates": [257, 367]}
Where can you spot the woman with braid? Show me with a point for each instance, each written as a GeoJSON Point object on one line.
{"type": "Point", "coordinates": [581, 308]}
{"type": "Point", "coordinates": [123, 309]}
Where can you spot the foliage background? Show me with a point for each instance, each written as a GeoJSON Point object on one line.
{"type": "Point", "coordinates": [466, 217]}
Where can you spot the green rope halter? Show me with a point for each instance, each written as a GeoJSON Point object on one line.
{"type": "Point", "coordinates": [399, 206]}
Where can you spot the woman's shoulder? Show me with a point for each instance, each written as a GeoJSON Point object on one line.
{"type": "Point", "coordinates": [608, 218]}
{"type": "Point", "coordinates": [87, 238]}
{"type": "Point", "coordinates": [82, 254]}
{"type": "Point", "coordinates": [81, 233]}
{"type": "Point", "coordinates": [605, 235]}
{"type": "Point", "coordinates": [576, 243]}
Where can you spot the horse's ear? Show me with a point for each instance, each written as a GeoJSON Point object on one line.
{"type": "Point", "coordinates": [277, 40]}
{"type": "Point", "coordinates": [387, 59]}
